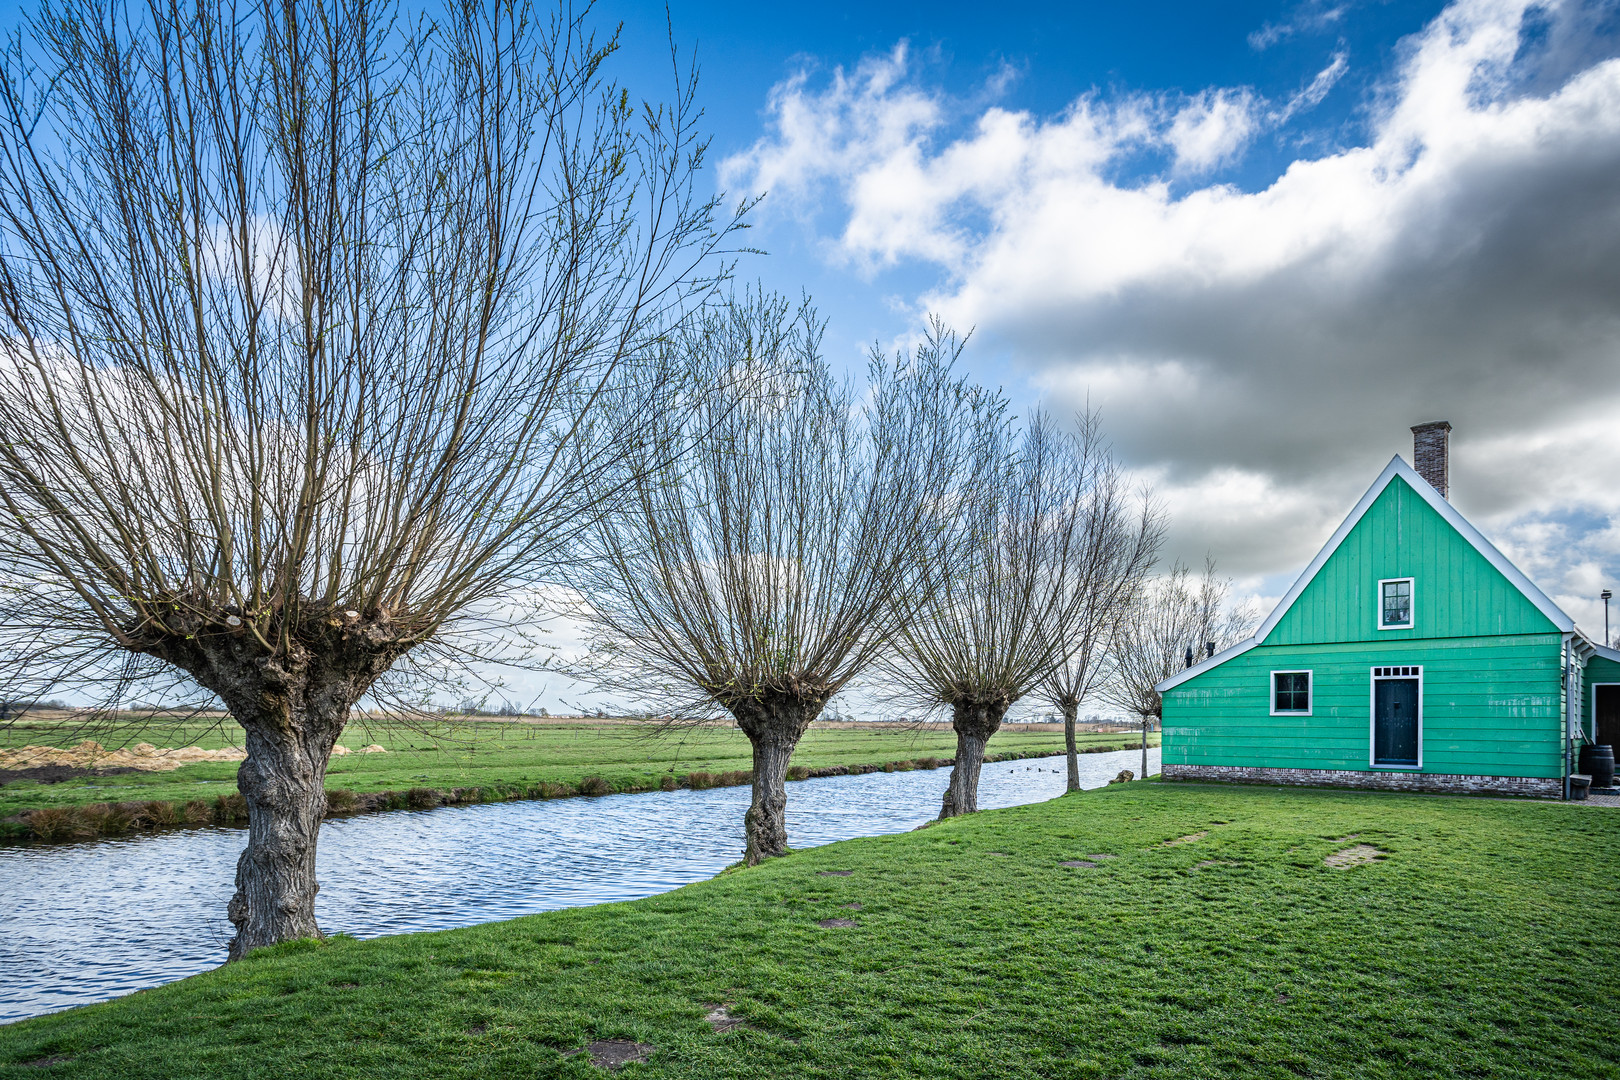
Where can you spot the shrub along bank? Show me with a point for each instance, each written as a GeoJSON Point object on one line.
{"type": "Point", "coordinates": [1144, 930]}
{"type": "Point", "coordinates": [467, 763]}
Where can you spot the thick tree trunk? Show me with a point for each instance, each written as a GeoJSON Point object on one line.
{"type": "Point", "coordinates": [774, 721]}
{"type": "Point", "coordinates": [283, 782]}
{"type": "Point", "coordinates": [1070, 711]}
{"type": "Point", "coordinates": [292, 701]}
{"type": "Point", "coordinates": [975, 722]}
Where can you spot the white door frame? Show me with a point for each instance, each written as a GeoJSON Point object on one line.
{"type": "Point", "coordinates": [1412, 671]}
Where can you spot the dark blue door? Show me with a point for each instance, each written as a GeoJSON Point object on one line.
{"type": "Point", "coordinates": [1395, 722]}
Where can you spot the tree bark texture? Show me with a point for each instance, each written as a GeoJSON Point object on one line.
{"type": "Point", "coordinates": [774, 721]}
{"type": "Point", "coordinates": [1070, 711]}
{"type": "Point", "coordinates": [1144, 747]}
{"type": "Point", "coordinates": [975, 721]}
{"type": "Point", "coordinates": [292, 700]}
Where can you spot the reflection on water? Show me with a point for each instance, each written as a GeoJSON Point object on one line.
{"type": "Point", "coordinates": [86, 922]}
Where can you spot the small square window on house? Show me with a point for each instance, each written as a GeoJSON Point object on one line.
{"type": "Point", "coordinates": [1395, 604]}
{"type": "Point", "coordinates": [1290, 692]}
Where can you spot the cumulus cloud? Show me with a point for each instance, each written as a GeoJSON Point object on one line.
{"type": "Point", "coordinates": [1262, 353]}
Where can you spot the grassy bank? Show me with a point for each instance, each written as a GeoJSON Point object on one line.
{"type": "Point", "coordinates": [1212, 940]}
{"type": "Point", "coordinates": [470, 762]}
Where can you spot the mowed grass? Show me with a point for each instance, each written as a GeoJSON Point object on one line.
{"type": "Point", "coordinates": [478, 753]}
{"type": "Point", "coordinates": [1479, 943]}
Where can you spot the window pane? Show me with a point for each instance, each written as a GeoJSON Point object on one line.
{"type": "Point", "coordinates": [1292, 692]}
{"type": "Point", "coordinates": [1397, 603]}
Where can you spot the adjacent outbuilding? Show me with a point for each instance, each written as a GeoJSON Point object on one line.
{"type": "Point", "coordinates": [1410, 655]}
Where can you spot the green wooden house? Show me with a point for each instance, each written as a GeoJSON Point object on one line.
{"type": "Point", "coordinates": [1410, 655]}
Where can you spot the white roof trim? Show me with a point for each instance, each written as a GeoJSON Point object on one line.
{"type": "Point", "coordinates": [1204, 665]}
{"type": "Point", "coordinates": [1603, 651]}
{"type": "Point", "coordinates": [1396, 467]}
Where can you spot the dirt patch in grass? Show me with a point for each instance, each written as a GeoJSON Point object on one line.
{"type": "Point", "coordinates": [834, 873]}
{"type": "Point", "coordinates": [1079, 864]}
{"type": "Point", "coordinates": [837, 924]}
{"type": "Point", "coordinates": [1190, 838]}
{"type": "Point", "coordinates": [1207, 863]}
{"type": "Point", "coordinates": [615, 1054]}
{"type": "Point", "coordinates": [721, 1019]}
{"type": "Point", "coordinates": [1354, 856]}
{"type": "Point", "coordinates": [1103, 855]}
{"type": "Point", "coordinates": [46, 1062]}
{"type": "Point", "coordinates": [852, 907]}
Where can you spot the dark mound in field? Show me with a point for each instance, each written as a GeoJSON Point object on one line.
{"type": "Point", "coordinates": [55, 774]}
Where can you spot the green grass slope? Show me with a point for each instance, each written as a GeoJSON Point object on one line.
{"type": "Point", "coordinates": [1477, 944]}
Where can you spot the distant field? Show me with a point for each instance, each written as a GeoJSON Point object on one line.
{"type": "Point", "coordinates": [492, 752]}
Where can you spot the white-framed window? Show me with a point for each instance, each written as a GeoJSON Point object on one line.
{"type": "Point", "coordinates": [1395, 604]}
{"type": "Point", "coordinates": [1290, 693]}
{"type": "Point", "coordinates": [1395, 728]}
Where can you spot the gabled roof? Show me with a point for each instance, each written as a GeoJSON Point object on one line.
{"type": "Point", "coordinates": [1396, 467]}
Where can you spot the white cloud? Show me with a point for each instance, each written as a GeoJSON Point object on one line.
{"type": "Point", "coordinates": [1315, 93]}
{"type": "Point", "coordinates": [1211, 128]}
{"type": "Point", "coordinates": [1463, 262]}
{"type": "Point", "coordinates": [1312, 16]}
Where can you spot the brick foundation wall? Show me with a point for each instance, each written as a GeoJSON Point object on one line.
{"type": "Point", "coordinates": [1381, 780]}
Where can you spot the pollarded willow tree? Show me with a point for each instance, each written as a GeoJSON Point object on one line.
{"type": "Point", "coordinates": [1001, 611]}
{"type": "Point", "coordinates": [1171, 624]}
{"type": "Point", "coordinates": [764, 564]}
{"type": "Point", "coordinates": [314, 306]}
{"type": "Point", "coordinates": [1117, 544]}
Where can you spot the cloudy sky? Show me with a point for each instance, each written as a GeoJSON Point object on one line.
{"type": "Point", "coordinates": [1264, 238]}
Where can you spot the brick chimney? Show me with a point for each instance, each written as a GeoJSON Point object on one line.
{"type": "Point", "coordinates": [1431, 455]}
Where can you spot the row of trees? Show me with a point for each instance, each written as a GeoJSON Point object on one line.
{"type": "Point", "coordinates": [340, 337]}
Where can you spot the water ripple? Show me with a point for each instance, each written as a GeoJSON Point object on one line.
{"type": "Point", "coordinates": [85, 922]}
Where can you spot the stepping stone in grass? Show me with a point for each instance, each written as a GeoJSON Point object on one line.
{"type": "Point", "coordinates": [1079, 864]}
{"type": "Point", "coordinates": [852, 907]}
{"type": "Point", "coordinates": [1104, 856]}
{"type": "Point", "coordinates": [834, 873]}
{"type": "Point", "coordinates": [721, 1020]}
{"type": "Point", "coordinates": [837, 924]}
{"type": "Point", "coordinates": [1188, 839]}
{"type": "Point", "coordinates": [1355, 856]}
{"type": "Point", "coordinates": [614, 1054]}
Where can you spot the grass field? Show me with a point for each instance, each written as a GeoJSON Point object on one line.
{"type": "Point", "coordinates": [1214, 941]}
{"type": "Point", "coordinates": [496, 755]}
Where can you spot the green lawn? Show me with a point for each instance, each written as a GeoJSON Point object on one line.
{"type": "Point", "coordinates": [1480, 944]}
{"type": "Point", "coordinates": [490, 754]}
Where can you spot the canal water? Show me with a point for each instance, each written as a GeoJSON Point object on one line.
{"type": "Point", "coordinates": [86, 922]}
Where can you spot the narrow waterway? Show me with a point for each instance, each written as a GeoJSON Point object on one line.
{"type": "Point", "coordinates": [85, 922]}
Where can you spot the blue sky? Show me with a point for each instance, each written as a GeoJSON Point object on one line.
{"type": "Point", "coordinates": [1232, 226]}
{"type": "Point", "coordinates": [1265, 239]}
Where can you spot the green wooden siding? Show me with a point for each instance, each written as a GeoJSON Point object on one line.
{"type": "Point", "coordinates": [1456, 591]}
{"type": "Point", "coordinates": [1598, 670]}
{"type": "Point", "coordinates": [1490, 705]}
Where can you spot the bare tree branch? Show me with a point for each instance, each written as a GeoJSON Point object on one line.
{"type": "Point", "coordinates": [772, 533]}
{"type": "Point", "coordinates": [326, 326]}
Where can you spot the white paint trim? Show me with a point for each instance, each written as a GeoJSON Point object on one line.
{"type": "Point", "coordinates": [1204, 665]}
{"type": "Point", "coordinates": [1310, 692]}
{"type": "Point", "coordinates": [1398, 467]}
{"type": "Point", "coordinates": [1604, 651]}
{"type": "Point", "coordinates": [1372, 716]}
{"type": "Point", "coordinates": [1411, 604]}
{"type": "Point", "coordinates": [1594, 685]}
